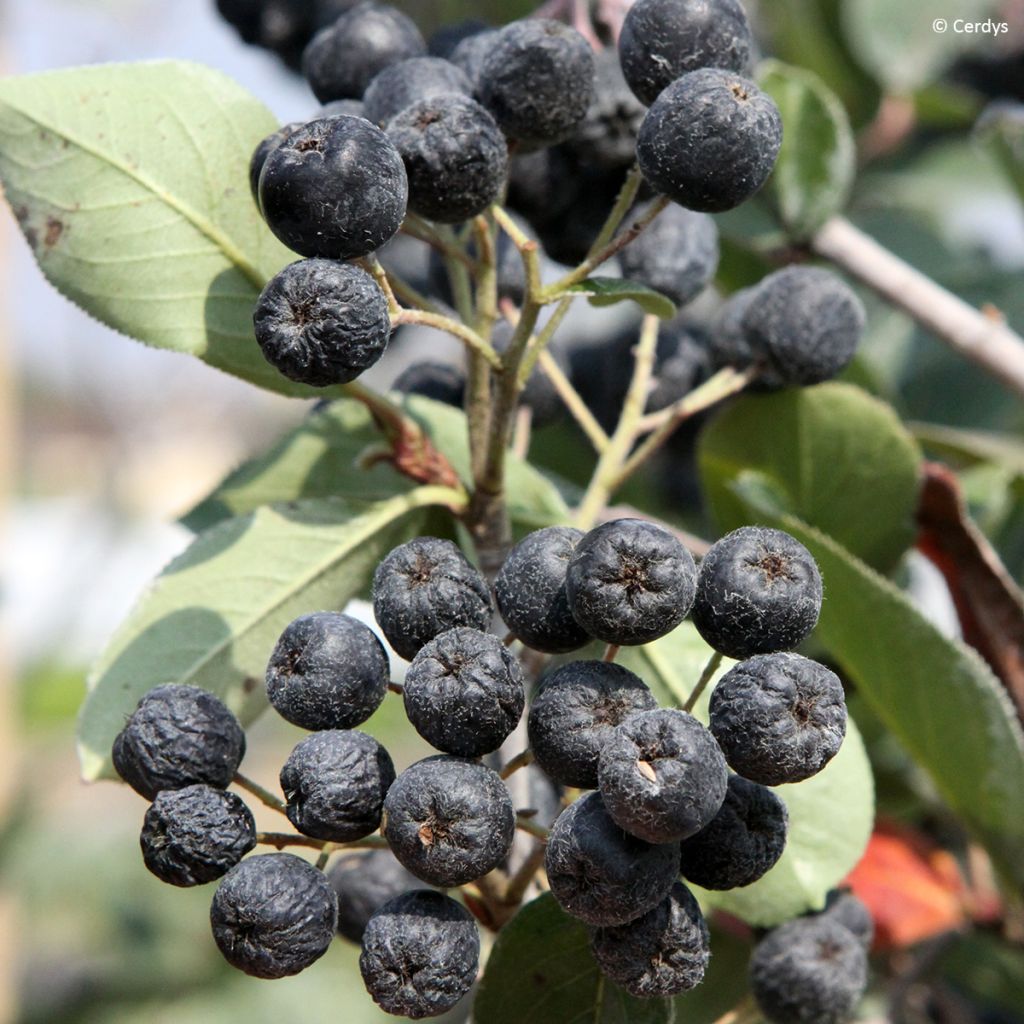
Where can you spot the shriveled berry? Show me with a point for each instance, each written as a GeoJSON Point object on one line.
{"type": "Point", "coordinates": [759, 590]}
{"type": "Point", "coordinates": [808, 971]}
{"type": "Point", "coordinates": [663, 953]}
{"type": "Point", "coordinates": [273, 915]}
{"type": "Point", "coordinates": [448, 820]}
{"type": "Point", "coordinates": [342, 59]}
{"type": "Point", "coordinates": [778, 717]}
{"type": "Point", "coordinates": [741, 843]}
{"type": "Point", "coordinates": [412, 81]}
{"type": "Point", "coordinates": [630, 582]}
{"type": "Point", "coordinates": [178, 736]}
{"type": "Point", "coordinates": [455, 156]}
{"type": "Point", "coordinates": [262, 151]}
{"type": "Point", "coordinates": [530, 591]}
{"type": "Point", "coordinates": [425, 587]}
{"type": "Point", "coordinates": [334, 188]}
{"type": "Point", "coordinates": [327, 671]}
{"type": "Point", "coordinates": [663, 39]}
{"type": "Point", "coordinates": [804, 324]}
{"type": "Point", "coordinates": [334, 782]}
{"type": "Point", "coordinates": [710, 140]}
{"type": "Point", "coordinates": [364, 880]}
{"type": "Point", "coordinates": [574, 713]}
{"type": "Point", "coordinates": [464, 692]}
{"type": "Point", "coordinates": [537, 79]}
{"type": "Point", "coordinates": [662, 775]}
{"type": "Point", "coordinates": [421, 952]}
{"type": "Point", "coordinates": [601, 874]}
{"type": "Point", "coordinates": [193, 835]}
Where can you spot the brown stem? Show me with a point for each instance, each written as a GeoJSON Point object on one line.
{"type": "Point", "coordinates": [517, 762]}
{"type": "Point", "coordinates": [261, 794]}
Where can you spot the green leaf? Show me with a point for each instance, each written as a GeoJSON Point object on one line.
{"type": "Point", "coordinates": [130, 183]}
{"type": "Point", "coordinates": [213, 615]}
{"type": "Point", "coordinates": [541, 969]}
{"type": "Point", "coordinates": [324, 457]}
{"type": "Point", "coordinates": [607, 291]}
{"type": "Point", "coordinates": [831, 454]}
{"type": "Point", "coordinates": [817, 163]}
{"type": "Point", "coordinates": [972, 446]}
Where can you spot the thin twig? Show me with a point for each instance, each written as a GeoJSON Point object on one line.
{"type": "Point", "coordinates": [611, 652]}
{"type": "Point", "coordinates": [521, 878]}
{"type": "Point", "coordinates": [441, 241]}
{"type": "Point", "coordinates": [522, 432]}
{"type": "Point", "coordinates": [527, 825]}
{"type": "Point", "coordinates": [706, 676]}
{"type": "Point", "coordinates": [573, 401]}
{"type": "Point", "coordinates": [283, 839]}
{"type": "Point", "coordinates": [517, 762]}
{"type": "Point", "coordinates": [452, 327]}
{"type": "Point", "coordinates": [397, 688]}
{"type": "Point", "coordinates": [372, 265]}
{"type": "Point", "coordinates": [261, 794]}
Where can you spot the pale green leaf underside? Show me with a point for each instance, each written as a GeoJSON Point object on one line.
{"type": "Point", "coordinates": [607, 291]}
{"type": "Point", "coordinates": [213, 615]}
{"type": "Point", "coordinates": [130, 182]}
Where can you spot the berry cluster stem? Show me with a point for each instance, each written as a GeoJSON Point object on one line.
{"type": "Point", "coordinates": [519, 761]}
{"type": "Point", "coordinates": [263, 795]}
{"type": "Point", "coordinates": [705, 677]}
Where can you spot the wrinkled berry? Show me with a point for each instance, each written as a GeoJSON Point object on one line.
{"type": "Point", "coordinates": [273, 915]}
{"type": "Point", "coordinates": [327, 671]}
{"type": "Point", "coordinates": [778, 718]}
{"type": "Point", "coordinates": [412, 81]}
{"type": "Point", "coordinates": [178, 736]}
{"type": "Point", "coordinates": [364, 881]}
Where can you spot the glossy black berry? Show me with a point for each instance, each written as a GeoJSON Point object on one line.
{"type": "Point", "coordinates": [677, 255]}
{"type": "Point", "coordinates": [364, 881]}
{"type": "Point", "coordinates": [845, 907]}
{"type": "Point", "coordinates": [327, 671]}
{"type": "Point", "coordinates": [808, 971]}
{"type": "Point", "coordinates": [710, 140]}
{"type": "Point", "coordinates": [442, 382]}
{"type": "Point", "coordinates": [455, 156]}
{"type": "Point", "coordinates": [630, 582]}
{"type": "Point", "coordinates": [342, 59]}
{"type": "Point", "coordinates": [178, 736]}
{"type": "Point", "coordinates": [530, 591]}
{"type": "Point", "coordinates": [601, 874]}
{"type": "Point", "coordinates": [412, 81]}
{"type": "Point", "coordinates": [464, 692]}
{"type": "Point", "coordinates": [273, 915]}
{"type": "Point", "coordinates": [664, 39]}
{"type": "Point", "coordinates": [193, 835]}
{"type": "Point", "coordinates": [758, 591]}
{"type": "Point", "coordinates": [334, 782]}
{"type": "Point", "coordinates": [804, 324]}
{"type": "Point", "coordinates": [575, 712]}
{"type": "Point", "coordinates": [448, 820]}
{"type": "Point", "coordinates": [262, 151]}
{"type": "Point", "coordinates": [334, 188]}
{"type": "Point", "coordinates": [421, 952]}
{"type": "Point", "coordinates": [741, 843]}
{"type": "Point", "coordinates": [425, 587]}
{"type": "Point", "coordinates": [663, 953]}
{"type": "Point", "coordinates": [662, 775]}
{"type": "Point", "coordinates": [537, 79]}
{"type": "Point", "coordinates": [778, 717]}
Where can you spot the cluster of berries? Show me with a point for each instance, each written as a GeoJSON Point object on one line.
{"type": "Point", "coordinates": [664, 803]}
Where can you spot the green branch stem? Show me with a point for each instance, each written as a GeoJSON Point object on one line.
{"type": "Point", "coordinates": [263, 795]}
{"type": "Point", "coordinates": [523, 875]}
{"type": "Point", "coordinates": [573, 401]}
{"type": "Point", "coordinates": [521, 760]}
{"type": "Point", "coordinates": [528, 825]}
{"type": "Point", "coordinates": [443, 241]}
{"type": "Point", "coordinates": [712, 666]}
{"type": "Point", "coordinates": [372, 265]}
{"type": "Point", "coordinates": [458, 330]}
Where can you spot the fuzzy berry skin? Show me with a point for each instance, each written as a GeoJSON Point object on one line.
{"type": "Point", "coordinates": [421, 952]}
{"type": "Point", "coordinates": [677, 255]}
{"type": "Point", "coordinates": [273, 915]}
{"type": "Point", "coordinates": [455, 156]}
{"type": "Point", "coordinates": [630, 582]}
{"type": "Point", "coordinates": [327, 671]}
{"type": "Point", "coordinates": [262, 151]}
{"type": "Point", "coordinates": [334, 783]}
{"type": "Point", "coordinates": [741, 843]}
{"type": "Point", "coordinates": [448, 820]}
{"type": "Point", "coordinates": [601, 874]}
{"type": "Point", "coordinates": [178, 736]}
{"type": "Point", "coordinates": [335, 188]}
{"type": "Point", "coordinates": [364, 881]}
{"type": "Point", "coordinates": [662, 775]}
{"type": "Point", "coordinates": [728, 344]}
{"type": "Point", "coordinates": [537, 80]}
{"type": "Point", "coordinates": [710, 140]}
{"type": "Point", "coordinates": [424, 588]}
{"type": "Point", "coordinates": [442, 382]}
{"type": "Point", "coordinates": [464, 692]}
{"type": "Point", "coordinates": [664, 39]}
{"type": "Point", "coordinates": [574, 713]}
{"type": "Point", "coordinates": [778, 718]}
{"type": "Point", "coordinates": [193, 835]}
{"type": "Point", "coordinates": [351, 108]}
{"type": "Point", "coordinates": [470, 54]}
{"type": "Point", "coordinates": [412, 81]}
{"type": "Point", "coordinates": [342, 59]}
{"type": "Point", "coordinates": [808, 971]}
{"type": "Point", "coordinates": [663, 953]}
{"type": "Point", "coordinates": [530, 591]}
{"type": "Point", "coordinates": [804, 324]}
{"type": "Point", "coordinates": [846, 908]}
{"type": "Point", "coordinates": [758, 591]}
